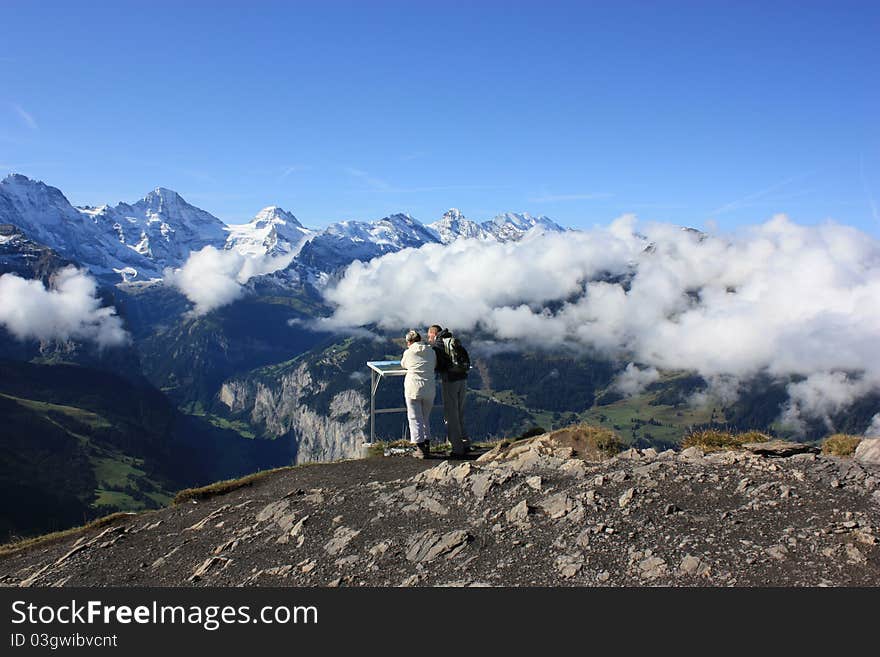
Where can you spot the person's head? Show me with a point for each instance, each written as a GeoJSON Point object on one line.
{"type": "Point", "coordinates": [433, 331]}
{"type": "Point", "coordinates": [412, 336]}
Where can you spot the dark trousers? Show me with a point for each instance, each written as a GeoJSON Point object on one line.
{"type": "Point", "coordinates": [453, 412]}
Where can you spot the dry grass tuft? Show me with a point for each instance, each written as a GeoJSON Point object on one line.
{"type": "Point", "coordinates": [840, 444]}
{"type": "Point", "coordinates": [222, 487]}
{"type": "Point", "coordinates": [24, 543]}
{"type": "Point", "coordinates": [716, 440]}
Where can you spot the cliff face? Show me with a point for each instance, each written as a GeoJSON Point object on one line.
{"type": "Point", "coordinates": [285, 407]}
{"type": "Point", "coordinates": [540, 512]}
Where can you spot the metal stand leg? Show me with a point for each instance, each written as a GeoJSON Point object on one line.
{"type": "Point", "coordinates": [372, 407]}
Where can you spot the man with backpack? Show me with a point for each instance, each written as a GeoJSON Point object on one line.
{"type": "Point", "coordinates": [453, 363]}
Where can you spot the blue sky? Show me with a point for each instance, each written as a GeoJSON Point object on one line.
{"type": "Point", "coordinates": [724, 112]}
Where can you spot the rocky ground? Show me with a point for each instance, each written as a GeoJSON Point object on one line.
{"type": "Point", "coordinates": [540, 512]}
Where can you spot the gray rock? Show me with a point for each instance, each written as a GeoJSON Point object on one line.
{"type": "Point", "coordinates": [778, 552]}
{"type": "Point", "coordinates": [779, 448]}
{"type": "Point", "coordinates": [380, 548]}
{"type": "Point", "coordinates": [569, 565]}
{"type": "Point", "coordinates": [483, 482]}
{"type": "Point", "coordinates": [534, 482]}
{"type": "Point", "coordinates": [619, 476]}
{"type": "Point", "coordinates": [691, 565]}
{"type": "Point", "coordinates": [563, 453]}
{"type": "Point", "coordinates": [460, 472]}
{"type": "Point", "coordinates": [519, 513]}
{"type": "Point", "coordinates": [209, 564]}
{"type": "Point", "coordinates": [528, 460]}
{"type": "Point", "coordinates": [583, 539]}
{"type": "Point", "coordinates": [692, 453]}
{"type": "Point", "coordinates": [437, 473]}
{"type": "Point", "coordinates": [868, 451]}
{"type": "Point", "coordinates": [273, 511]}
{"type": "Point", "coordinates": [647, 470]}
{"type": "Point", "coordinates": [341, 538]}
{"type": "Point", "coordinates": [561, 505]}
{"type": "Point", "coordinates": [427, 502]}
{"type": "Point", "coordinates": [204, 521]}
{"type": "Point", "coordinates": [228, 546]}
{"type": "Point", "coordinates": [575, 468]}
{"type": "Point", "coordinates": [429, 545]}
{"type": "Point", "coordinates": [344, 562]}
{"type": "Point", "coordinates": [854, 555]}
{"type": "Point", "coordinates": [480, 484]}
{"type": "Point", "coordinates": [296, 530]}
{"type": "Point", "coordinates": [653, 567]}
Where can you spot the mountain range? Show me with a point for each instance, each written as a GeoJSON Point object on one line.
{"type": "Point", "coordinates": [256, 383]}
{"type": "Point", "coordinates": [136, 242]}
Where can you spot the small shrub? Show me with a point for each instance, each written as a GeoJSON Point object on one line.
{"type": "Point", "coordinates": [840, 444]}
{"type": "Point", "coordinates": [589, 439]}
{"type": "Point", "coordinates": [603, 440]}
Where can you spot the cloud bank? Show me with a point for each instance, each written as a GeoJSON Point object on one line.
{"type": "Point", "coordinates": [68, 309]}
{"type": "Point", "coordinates": [212, 278]}
{"type": "Point", "coordinates": [779, 299]}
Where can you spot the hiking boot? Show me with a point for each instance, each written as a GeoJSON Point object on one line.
{"type": "Point", "coordinates": [423, 450]}
{"type": "Point", "coordinates": [460, 452]}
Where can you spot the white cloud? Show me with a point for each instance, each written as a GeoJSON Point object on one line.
{"type": "Point", "coordinates": [68, 309]}
{"type": "Point", "coordinates": [212, 278]}
{"type": "Point", "coordinates": [778, 298]}
{"type": "Point", "coordinates": [633, 380]}
{"type": "Point", "coordinates": [873, 431]}
{"type": "Point", "coordinates": [25, 116]}
{"type": "Point", "coordinates": [824, 394]}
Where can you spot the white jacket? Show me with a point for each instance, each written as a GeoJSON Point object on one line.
{"type": "Point", "coordinates": [419, 361]}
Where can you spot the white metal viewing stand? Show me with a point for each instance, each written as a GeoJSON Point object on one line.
{"type": "Point", "coordinates": [378, 370]}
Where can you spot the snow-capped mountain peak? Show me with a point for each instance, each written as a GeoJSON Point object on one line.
{"type": "Point", "coordinates": [85, 236]}
{"type": "Point", "coordinates": [513, 225]}
{"type": "Point", "coordinates": [275, 215]}
{"type": "Point", "coordinates": [454, 225]}
{"type": "Point", "coordinates": [163, 194]}
{"type": "Point", "coordinates": [273, 231]}
{"type": "Point", "coordinates": [33, 197]}
{"type": "Point", "coordinates": [504, 227]}
{"type": "Point", "coordinates": [164, 227]}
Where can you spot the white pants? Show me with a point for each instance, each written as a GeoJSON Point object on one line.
{"type": "Point", "coordinates": [418, 412]}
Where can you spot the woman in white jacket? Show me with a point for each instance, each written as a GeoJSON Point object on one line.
{"type": "Point", "coordinates": [419, 361]}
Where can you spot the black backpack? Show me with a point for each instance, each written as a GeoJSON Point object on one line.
{"type": "Point", "coordinates": [459, 360]}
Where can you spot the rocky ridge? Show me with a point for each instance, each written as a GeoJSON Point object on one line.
{"type": "Point", "coordinates": [544, 511]}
